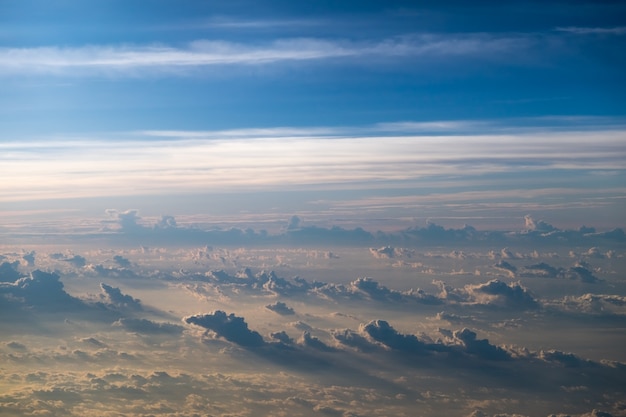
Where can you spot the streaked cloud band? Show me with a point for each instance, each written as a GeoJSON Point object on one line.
{"type": "Point", "coordinates": [189, 162]}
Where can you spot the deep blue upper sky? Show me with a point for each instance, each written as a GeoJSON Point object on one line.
{"type": "Point", "coordinates": [400, 60]}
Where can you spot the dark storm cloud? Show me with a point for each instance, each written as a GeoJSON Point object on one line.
{"type": "Point", "coordinates": [280, 308]}
{"type": "Point", "coordinates": [115, 297]}
{"type": "Point", "coordinates": [228, 326]}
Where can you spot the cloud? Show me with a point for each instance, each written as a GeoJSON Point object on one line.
{"type": "Point", "coordinates": [230, 327]}
{"type": "Point", "coordinates": [579, 272]}
{"type": "Point", "coordinates": [77, 261]}
{"type": "Point", "coordinates": [115, 297]}
{"type": "Point", "coordinates": [148, 326]}
{"type": "Point", "coordinates": [596, 304]}
{"type": "Point", "coordinates": [480, 347]}
{"type": "Point", "coordinates": [282, 337]}
{"type": "Point", "coordinates": [121, 261]}
{"type": "Point", "coordinates": [29, 258]}
{"type": "Point", "coordinates": [159, 58]}
{"type": "Point", "coordinates": [358, 158]}
{"type": "Point", "coordinates": [8, 271]}
{"type": "Point", "coordinates": [380, 331]}
{"type": "Point", "coordinates": [577, 30]}
{"type": "Point", "coordinates": [313, 342]}
{"type": "Point", "coordinates": [280, 308]}
{"type": "Point", "coordinates": [41, 291]}
{"type": "Point", "coordinates": [538, 225]}
{"type": "Point", "coordinates": [501, 294]}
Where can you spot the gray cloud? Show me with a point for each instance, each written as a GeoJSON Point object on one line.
{"type": "Point", "coordinates": [8, 272]}
{"type": "Point", "coordinates": [280, 308]}
{"type": "Point", "coordinates": [480, 347]}
{"type": "Point", "coordinates": [230, 327]}
{"type": "Point", "coordinates": [148, 326]}
{"type": "Point", "coordinates": [121, 261]}
{"type": "Point", "coordinates": [115, 297]}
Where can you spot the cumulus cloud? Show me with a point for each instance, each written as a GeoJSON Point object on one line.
{"type": "Point", "coordinates": [538, 225]}
{"type": "Point", "coordinates": [382, 332]}
{"type": "Point", "coordinates": [29, 258]}
{"type": "Point", "coordinates": [313, 342]}
{"type": "Point", "coordinates": [41, 291]}
{"type": "Point", "coordinates": [121, 261]}
{"type": "Point", "coordinates": [494, 293]}
{"type": "Point", "coordinates": [8, 271]}
{"type": "Point", "coordinates": [280, 308]}
{"type": "Point", "coordinates": [115, 297]}
{"type": "Point", "coordinates": [480, 347]}
{"type": "Point", "coordinates": [77, 261]}
{"type": "Point", "coordinates": [228, 326]}
{"type": "Point", "coordinates": [580, 272]}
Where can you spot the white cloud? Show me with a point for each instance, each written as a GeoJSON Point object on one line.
{"type": "Point", "coordinates": [79, 168]}
{"type": "Point", "coordinates": [124, 59]}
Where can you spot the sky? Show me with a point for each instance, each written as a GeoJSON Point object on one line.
{"type": "Point", "coordinates": [397, 99]}
{"type": "Point", "coordinates": [312, 208]}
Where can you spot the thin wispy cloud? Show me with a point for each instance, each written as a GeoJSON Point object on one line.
{"type": "Point", "coordinates": [618, 30]}
{"type": "Point", "coordinates": [204, 53]}
{"type": "Point", "coordinates": [202, 162]}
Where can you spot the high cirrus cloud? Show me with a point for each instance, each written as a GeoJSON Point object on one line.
{"type": "Point", "coordinates": [123, 59]}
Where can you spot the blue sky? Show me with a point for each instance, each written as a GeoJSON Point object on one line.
{"type": "Point", "coordinates": [108, 98]}
{"type": "Point", "coordinates": [367, 62]}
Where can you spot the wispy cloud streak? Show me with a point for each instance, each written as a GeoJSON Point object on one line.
{"type": "Point", "coordinates": [204, 53]}
{"type": "Point", "coordinates": [204, 162]}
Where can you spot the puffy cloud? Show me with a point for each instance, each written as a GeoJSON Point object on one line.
{"type": "Point", "coordinates": [313, 342]}
{"type": "Point", "coordinates": [500, 294]}
{"type": "Point", "coordinates": [29, 258]}
{"type": "Point", "coordinates": [494, 293]}
{"type": "Point", "coordinates": [228, 326]}
{"type": "Point", "coordinates": [121, 261]}
{"type": "Point", "coordinates": [507, 267]}
{"type": "Point", "coordinates": [538, 225]}
{"type": "Point", "coordinates": [580, 271]}
{"type": "Point", "coordinates": [115, 297]}
{"type": "Point", "coordinates": [8, 272]}
{"type": "Point", "coordinates": [383, 252]}
{"type": "Point", "coordinates": [40, 291]}
{"type": "Point", "coordinates": [77, 261]}
{"type": "Point", "coordinates": [294, 223]}
{"type": "Point", "coordinates": [354, 339]}
{"type": "Point", "coordinates": [280, 308]}
{"type": "Point", "coordinates": [480, 347]}
{"type": "Point", "coordinates": [597, 304]}
{"type": "Point", "coordinates": [381, 332]}
{"type": "Point", "coordinates": [282, 337]}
